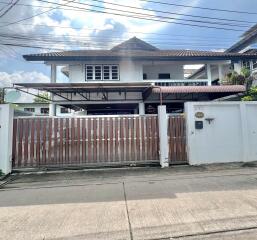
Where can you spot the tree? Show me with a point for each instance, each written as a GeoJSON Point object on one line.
{"type": "Point", "coordinates": [42, 98]}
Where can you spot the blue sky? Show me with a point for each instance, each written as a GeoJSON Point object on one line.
{"type": "Point", "coordinates": [94, 30]}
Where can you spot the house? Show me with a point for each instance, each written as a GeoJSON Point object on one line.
{"type": "Point", "coordinates": [246, 44]}
{"type": "Point", "coordinates": [40, 109]}
{"type": "Point", "coordinates": [135, 77]}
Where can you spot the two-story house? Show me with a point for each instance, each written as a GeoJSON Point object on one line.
{"type": "Point", "coordinates": [136, 77]}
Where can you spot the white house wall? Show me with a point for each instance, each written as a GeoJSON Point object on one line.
{"type": "Point", "coordinates": [175, 71]}
{"type": "Point", "coordinates": [130, 71]}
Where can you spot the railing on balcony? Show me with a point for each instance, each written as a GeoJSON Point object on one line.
{"type": "Point", "coordinates": [179, 82]}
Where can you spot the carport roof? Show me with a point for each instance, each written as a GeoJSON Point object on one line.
{"type": "Point", "coordinates": [201, 89]}
{"type": "Point", "coordinates": [86, 87]}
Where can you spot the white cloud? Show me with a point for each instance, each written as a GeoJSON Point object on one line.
{"type": "Point", "coordinates": [88, 21]}
{"type": "Point", "coordinates": [7, 80]}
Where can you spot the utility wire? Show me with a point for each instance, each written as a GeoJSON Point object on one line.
{"type": "Point", "coordinates": [38, 14]}
{"type": "Point", "coordinates": [98, 29]}
{"type": "Point", "coordinates": [6, 4]}
{"type": "Point", "coordinates": [171, 13]}
{"type": "Point", "coordinates": [203, 8]}
{"type": "Point", "coordinates": [146, 9]}
{"type": "Point", "coordinates": [9, 9]}
{"type": "Point", "coordinates": [91, 38]}
{"type": "Point", "coordinates": [152, 17]}
{"type": "Point", "coordinates": [132, 16]}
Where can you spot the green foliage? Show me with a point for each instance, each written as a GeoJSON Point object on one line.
{"type": "Point", "coordinates": [252, 95]}
{"type": "Point", "coordinates": [245, 72]}
{"type": "Point", "coordinates": [235, 78]}
{"type": "Point", "coordinates": [1, 95]}
{"type": "Point", "coordinates": [1, 173]}
{"type": "Point", "coordinates": [43, 98]}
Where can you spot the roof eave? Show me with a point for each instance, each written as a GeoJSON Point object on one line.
{"type": "Point", "coordinates": [111, 58]}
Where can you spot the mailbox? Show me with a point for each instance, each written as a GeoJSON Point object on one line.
{"type": "Point", "coordinates": [198, 124]}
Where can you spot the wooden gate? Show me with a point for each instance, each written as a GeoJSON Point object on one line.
{"type": "Point", "coordinates": [57, 142]}
{"type": "Point", "coordinates": [177, 139]}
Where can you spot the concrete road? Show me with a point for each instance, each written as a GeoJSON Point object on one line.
{"type": "Point", "coordinates": [185, 203]}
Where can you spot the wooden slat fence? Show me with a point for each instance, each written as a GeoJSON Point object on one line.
{"type": "Point", "coordinates": [177, 139]}
{"type": "Point", "coordinates": [85, 141]}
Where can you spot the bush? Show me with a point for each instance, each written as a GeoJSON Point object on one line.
{"type": "Point", "coordinates": [251, 95]}
{"type": "Point", "coordinates": [1, 173]}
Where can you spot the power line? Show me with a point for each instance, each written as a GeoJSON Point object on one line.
{"type": "Point", "coordinates": [99, 29]}
{"type": "Point", "coordinates": [171, 13]}
{"type": "Point", "coordinates": [203, 8]}
{"type": "Point", "coordinates": [6, 4]}
{"type": "Point", "coordinates": [152, 17]}
{"type": "Point", "coordinates": [133, 16]}
{"type": "Point", "coordinates": [38, 14]}
{"type": "Point", "coordinates": [94, 38]}
{"type": "Point", "coordinates": [9, 9]}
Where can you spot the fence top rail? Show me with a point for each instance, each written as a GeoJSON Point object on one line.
{"type": "Point", "coordinates": [88, 116]}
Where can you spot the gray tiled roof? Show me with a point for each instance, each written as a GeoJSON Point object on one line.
{"type": "Point", "coordinates": [145, 52]}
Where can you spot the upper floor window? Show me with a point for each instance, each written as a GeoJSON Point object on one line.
{"type": "Point", "coordinates": [102, 72]}
{"type": "Point", "coordinates": [64, 110]}
{"type": "Point", "coordinates": [29, 109]}
{"type": "Point", "coordinates": [164, 75]}
{"type": "Point", "coordinates": [44, 110]}
{"type": "Point", "coordinates": [246, 64]}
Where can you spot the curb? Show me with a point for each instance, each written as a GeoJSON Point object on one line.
{"type": "Point", "coordinates": [4, 180]}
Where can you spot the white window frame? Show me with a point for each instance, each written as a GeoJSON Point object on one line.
{"type": "Point", "coordinates": [102, 72]}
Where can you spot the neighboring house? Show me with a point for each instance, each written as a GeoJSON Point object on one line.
{"type": "Point", "coordinates": [41, 109]}
{"type": "Point", "coordinates": [247, 44]}
{"type": "Point", "coordinates": [135, 77]}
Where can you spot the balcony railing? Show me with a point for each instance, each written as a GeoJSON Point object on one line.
{"type": "Point", "coordinates": [179, 82]}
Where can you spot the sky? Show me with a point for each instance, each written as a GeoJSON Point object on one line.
{"type": "Point", "coordinates": [85, 29]}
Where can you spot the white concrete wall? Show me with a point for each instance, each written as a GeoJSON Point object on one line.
{"type": "Point", "coordinates": [6, 132]}
{"type": "Point", "coordinates": [230, 137]}
{"type": "Point", "coordinates": [176, 71]}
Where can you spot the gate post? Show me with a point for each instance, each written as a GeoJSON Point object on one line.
{"type": "Point", "coordinates": [163, 135]}
{"type": "Point", "coordinates": [6, 134]}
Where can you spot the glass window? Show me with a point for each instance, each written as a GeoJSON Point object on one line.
{"type": "Point", "coordinates": [98, 72]}
{"type": "Point", "coordinates": [144, 76]}
{"type": "Point", "coordinates": [246, 64]}
{"type": "Point", "coordinates": [164, 76]}
{"type": "Point", "coordinates": [106, 73]}
{"type": "Point", "coordinates": [29, 109]}
{"type": "Point", "coordinates": [115, 73]}
{"type": "Point", "coordinates": [102, 72]}
{"type": "Point", "coordinates": [44, 110]}
{"type": "Point", "coordinates": [89, 72]}
{"type": "Point", "coordinates": [64, 110]}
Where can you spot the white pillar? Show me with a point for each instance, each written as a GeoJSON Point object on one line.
{"type": "Point", "coordinates": [6, 134]}
{"type": "Point", "coordinates": [163, 135]}
{"type": "Point", "coordinates": [208, 67]}
{"type": "Point", "coordinates": [52, 106]}
{"type": "Point", "coordinates": [220, 73]}
{"type": "Point", "coordinates": [141, 108]}
{"type": "Point", "coordinates": [238, 67]}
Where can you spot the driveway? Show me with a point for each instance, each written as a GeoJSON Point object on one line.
{"type": "Point", "coordinates": [215, 202]}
